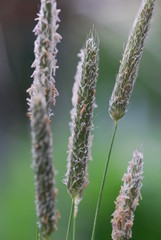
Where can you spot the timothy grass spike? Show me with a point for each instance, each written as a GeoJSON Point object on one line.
{"type": "Point", "coordinates": [82, 114]}
{"type": "Point", "coordinates": [45, 50]}
{"type": "Point", "coordinates": [128, 199]}
{"type": "Point", "coordinates": [129, 65]}
{"type": "Point", "coordinates": [43, 165]}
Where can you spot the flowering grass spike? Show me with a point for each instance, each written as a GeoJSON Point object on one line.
{"type": "Point", "coordinates": [45, 63]}
{"type": "Point", "coordinates": [42, 96]}
{"type": "Point", "coordinates": [127, 201]}
{"type": "Point", "coordinates": [129, 65]}
{"type": "Point", "coordinates": [43, 165]}
{"type": "Point", "coordinates": [82, 114]}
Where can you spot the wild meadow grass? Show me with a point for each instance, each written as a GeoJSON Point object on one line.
{"type": "Point", "coordinates": [42, 97]}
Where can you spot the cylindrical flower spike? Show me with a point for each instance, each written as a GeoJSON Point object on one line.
{"type": "Point", "coordinates": [128, 199]}
{"type": "Point", "coordinates": [45, 51]}
{"type": "Point", "coordinates": [43, 165]}
{"type": "Point", "coordinates": [82, 115]}
{"type": "Point", "coordinates": [130, 62]}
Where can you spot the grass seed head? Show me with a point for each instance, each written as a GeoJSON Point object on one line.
{"type": "Point", "coordinates": [128, 199]}
{"type": "Point", "coordinates": [129, 65]}
{"type": "Point", "coordinates": [82, 115]}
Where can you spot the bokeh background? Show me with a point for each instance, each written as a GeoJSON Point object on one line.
{"type": "Point", "coordinates": [140, 128]}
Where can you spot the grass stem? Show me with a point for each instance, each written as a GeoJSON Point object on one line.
{"type": "Point", "coordinates": [74, 225]}
{"type": "Point", "coordinates": [38, 233]}
{"type": "Point", "coordinates": [103, 182]}
{"type": "Point", "coordinates": [70, 219]}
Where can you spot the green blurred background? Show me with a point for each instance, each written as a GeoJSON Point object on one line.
{"type": "Point", "coordinates": [140, 128]}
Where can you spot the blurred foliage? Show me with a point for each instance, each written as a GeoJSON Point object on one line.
{"type": "Point", "coordinates": [140, 128]}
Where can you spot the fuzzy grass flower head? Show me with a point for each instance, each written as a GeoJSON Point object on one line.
{"type": "Point", "coordinates": [82, 115]}
{"type": "Point", "coordinates": [43, 165]}
{"type": "Point", "coordinates": [129, 65]}
{"type": "Point", "coordinates": [45, 50]}
{"type": "Point", "coordinates": [42, 96]}
{"type": "Point", "coordinates": [128, 199]}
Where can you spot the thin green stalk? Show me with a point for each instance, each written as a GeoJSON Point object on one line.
{"type": "Point", "coordinates": [38, 233]}
{"type": "Point", "coordinates": [103, 182]}
{"type": "Point", "coordinates": [74, 225]}
{"type": "Point", "coordinates": [70, 219]}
